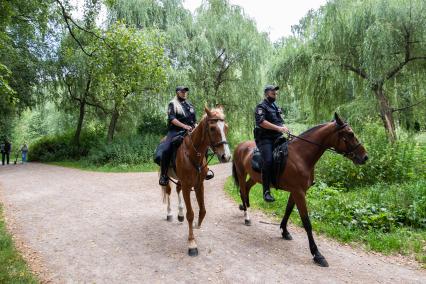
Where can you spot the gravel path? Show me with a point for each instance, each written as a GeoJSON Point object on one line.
{"type": "Point", "coordinates": [75, 226]}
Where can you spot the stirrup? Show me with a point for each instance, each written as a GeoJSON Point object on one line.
{"type": "Point", "coordinates": [210, 175]}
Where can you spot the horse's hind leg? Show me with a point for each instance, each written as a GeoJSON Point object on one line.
{"type": "Point", "coordinates": [180, 205]}
{"type": "Point", "coordinates": [290, 205]}
{"type": "Point", "coordinates": [300, 200]}
{"type": "Point", "coordinates": [199, 193]}
{"type": "Point", "coordinates": [167, 190]}
{"type": "Point", "coordinates": [192, 245]}
{"type": "Point", "coordinates": [248, 185]}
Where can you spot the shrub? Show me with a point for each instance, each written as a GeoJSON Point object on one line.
{"type": "Point", "coordinates": [381, 207]}
{"type": "Point", "coordinates": [130, 150]}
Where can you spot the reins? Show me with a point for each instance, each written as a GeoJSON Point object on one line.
{"type": "Point", "coordinates": [331, 149]}
{"type": "Point", "coordinates": [197, 166]}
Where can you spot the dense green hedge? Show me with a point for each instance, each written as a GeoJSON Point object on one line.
{"type": "Point", "coordinates": [131, 150]}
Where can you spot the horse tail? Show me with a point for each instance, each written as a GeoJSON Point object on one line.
{"type": "Point", "coordinates": [234, 174]}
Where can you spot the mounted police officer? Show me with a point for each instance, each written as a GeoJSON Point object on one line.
{"type": "Point", "coordinates": [181, 118]}
{"type": "Point", "coordinates": [269, 127]}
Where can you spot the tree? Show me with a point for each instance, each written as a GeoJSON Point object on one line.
{"type": "Point", "coordinates": [347, 47]}
{"type": "Point", "coordinates": [131, 65]}
{"type": "Point", "coordinates": [23, 25]}
{"type": "Point", "coordinates": [76, 68]}
{"type": "Point", "coordinates": [227, 57]}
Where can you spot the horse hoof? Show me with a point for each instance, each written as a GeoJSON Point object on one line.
{"type": "Point", "coordinates": [193, 252]}
{"type": "Point", "coordinates": [320, 260]}
{"type": "Point", "coordinates": [242, 207]}
{"type": "Point", "coordinates": [169, 218]}
{"type": "Point", "coordinates": [181, 218]}
{"type": "Point", "coordinates": [247, 222]}
{"type": "Point", "coordinates": [287, 236]}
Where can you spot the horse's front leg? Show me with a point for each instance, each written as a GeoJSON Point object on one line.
{"type": "Point", "coordinates": [290, 205]}
{"type": "Point", "coordinates": [192, 245]}
{"type": "Point", "coordinates": [300, 199]}
{"type": "Point", "coordinates": [180, 200]}
{"type": "Point", "coordinates": [199, 193]}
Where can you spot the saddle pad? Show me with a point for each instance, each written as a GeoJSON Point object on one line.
{"type": "Point", "coordinates": [256, 161]}
{"type": "Point", "coordinates": [279, 155]}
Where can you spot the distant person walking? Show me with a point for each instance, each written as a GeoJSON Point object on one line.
{"type": "Point", "coordinates": [24, 150]}
{"type": "Point", "coordinates": [2, 153]}
{"type": "Point", "coordinates": [6, 148]}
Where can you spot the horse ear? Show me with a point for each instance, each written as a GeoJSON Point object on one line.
{"type": "Point", "coordinates": [338, 119]}
{"type": "Point", "coordinates": [208, 112]}
{"type": "Point", "coordinates": [219, 106]}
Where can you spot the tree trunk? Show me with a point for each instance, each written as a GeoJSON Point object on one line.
{"type": "Point", "coordinates": [112, 125]}
{"type": "Point", "coordinates": [80, 122]}
{"type": "Point", "coordinates": [386, 113]}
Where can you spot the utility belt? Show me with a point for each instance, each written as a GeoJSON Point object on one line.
{"type": "Point", "coordinates": [261, 134]}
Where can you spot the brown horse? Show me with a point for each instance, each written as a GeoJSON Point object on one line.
{"type": "Point", "coordinates": [303, 153]}
{"type": "Point", "coordinates": [191, 167]}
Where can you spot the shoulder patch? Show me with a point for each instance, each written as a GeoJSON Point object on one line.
{"type": "Point", "coordinates": [259, 111]}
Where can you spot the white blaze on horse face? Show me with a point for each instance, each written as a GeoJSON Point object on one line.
{"type": "Point", "coordinates": [221, 125]}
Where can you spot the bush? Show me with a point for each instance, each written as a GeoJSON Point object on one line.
{"type": "Point", "coordinates": [381, 207]}
{"type": "Point", "coordinates": [60, 147]}
{"type": "Point", "coordinates": [389, 163]}
{"type": "Point", "coordinates": [132, 150]}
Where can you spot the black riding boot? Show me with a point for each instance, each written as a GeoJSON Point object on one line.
{"type": "Point", "coordinates": [165, 162]}
{"type": "Point", "coordinates": [266, 182]}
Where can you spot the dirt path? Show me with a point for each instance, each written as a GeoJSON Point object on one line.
{"type": "Point", "coordinates": [77, 226]}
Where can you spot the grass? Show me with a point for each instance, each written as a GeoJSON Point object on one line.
{"type": "Point", "coordinates": [123, 168]}
{"type": "Point", "coordinates": [13, 268]}
{"type": "Point", "coordinates": [82, 165]}
{"type": "Point", "coordinates": [328, 211]}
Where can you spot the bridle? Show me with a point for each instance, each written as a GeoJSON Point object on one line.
{"type": "Point", "coordinates": [211, 145]}
{"type": "Point", "coordinates": [349, 153]}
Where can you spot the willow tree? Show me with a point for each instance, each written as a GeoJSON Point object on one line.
{"type": "Point", "coordinates": [176, 25]}
{"type": "Point", "coordinates": [131, 65]}
{"type": "Point", "coordinates": [373, 45]}
{"type": "Point", "coordinates": [227, 55]}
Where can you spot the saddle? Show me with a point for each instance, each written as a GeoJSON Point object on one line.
{"type": "Point", "coordinates": [279, 155]}
{"type": "Point", "coordinates": [165, 145]}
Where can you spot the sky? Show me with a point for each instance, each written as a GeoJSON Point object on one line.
{"type": "Point", "coordinates": [273, 16]}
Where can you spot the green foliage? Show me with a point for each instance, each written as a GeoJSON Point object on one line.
{"type": "Point", "coordinates": [380, 207]}
{"type": "Point", "coordinates": [389, 163]}
{"type": "Point", "coordinates": [133, 150]}
{"type": "Point", "coordinates": [152, 123]}
{"type": "Point", "coordinates": [13, 268]}
{"type": "Point", "coordinates": [370, 51]}
{"type": "Point", "coordinates": [60, 147]}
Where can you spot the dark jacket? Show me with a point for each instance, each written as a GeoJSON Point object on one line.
{"type": "Point", "coordinates": [188, 117]}
{"type": "Point", "coordinates": [271, 113]}
{"type": "Point", "coordinates": [7, 147]}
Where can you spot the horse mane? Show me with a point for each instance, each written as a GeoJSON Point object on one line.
{"type": "Point", "coordinates": [312, 129]}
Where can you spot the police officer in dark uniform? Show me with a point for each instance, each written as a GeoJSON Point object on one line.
{"type": "Point", "coordinates": [269, 127]}
{"type": "Point", "coordinates": [181, 118]}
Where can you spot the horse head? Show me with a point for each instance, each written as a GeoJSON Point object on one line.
{"type": "Point", "coordinates": [217, 129]}
{"type": "Point", "coordinates": [347, 144]}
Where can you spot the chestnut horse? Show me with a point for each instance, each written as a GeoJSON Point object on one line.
{"type": "Point", "coordinates": [191, 167]}
{"type": "Point", "coordinates": [298, 175]}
